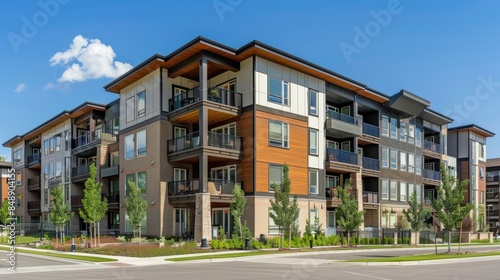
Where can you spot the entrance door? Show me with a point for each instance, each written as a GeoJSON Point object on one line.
{"type": "Point", "coordinates": [331, 223]}
{"type": "Point", "coordinates": [221, 217]}
{"type": "Point", "coordinates": [181, 223]}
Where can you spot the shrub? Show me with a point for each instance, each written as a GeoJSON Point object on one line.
{"type": "Point", "coordinates": [46, 246]}
{"type": "Point", "coordinates": [121, 239]}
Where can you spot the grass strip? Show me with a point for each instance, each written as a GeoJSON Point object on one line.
{"type": "Point", "coordinates": [426, 257]}
{"type": "Point", "coordinates": [223, 256]}
{"type": "Point", "coordinates": [63, 256]}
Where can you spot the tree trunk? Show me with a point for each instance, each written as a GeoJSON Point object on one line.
{"type": "Point", "coordinates": [98, 234]}
{"type": "Point", "coordinates": [449, 241]}
{"type": "Point", "coordinates": [241, 229]}
{"type": "Point", "coordinates": [57, 236]}
{"type": "Point", "coordinates": [460, 238]}
{"type": "Point", "coordinates": [90, 234]}
{"type": "Point", "coordinates": [348, 239]}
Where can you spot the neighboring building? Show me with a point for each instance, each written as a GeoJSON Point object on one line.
{"type": "Point", "coordinates": [468, 145]}
{"type": "Point", "coordinates": [4, 167]}
{"type": "Point", "coordinates": [59, 152]}
{"type": "Point", "coordinates": [492, 193]}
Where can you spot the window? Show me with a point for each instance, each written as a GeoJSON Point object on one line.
{"type": "Point", "coordinates": [51, 170]}
{"type": "Point", "coordinates": [179, 132]}
{"type": "Point", "coordinates": [51, 145]}
{"type": "Point", "coordinates": [18, 156]}
{"type": "Point", "coordinates": [385, 189]}
{"type": "Point", "coordinates": [402, 130]}
{"type": "Point", "coordinates": [394, 159]}
{"type": "Point", "coordinates": [411, 162]}
{"type": "Point", "coordinates": [45, 147]}
{"type": "Point", "coordinates": [275, 175]}
{"type": "Point", "coordinates": [394, 190]}
{"type": "Point", "coordinates": [129, 178]}
{"type": "Point", "coordinates": [129, 146]}
{"type": "Point", "coordinates": [58, 142]}
{"type": "Point", "coordinates": [345, 146]}
{"type": "Point", "coordinates": [402, 161]}
{"type": "Point", "coordinates": [332, 181]}
{"type": "Point", "coordinates": [411, 189]}
{"type": "Point", "coordinates": [141, 143]}
{"type": "Point", "coordinates": [418, 137]}
{"type": "Point", "coordinates": [142, 182]}
{"type": "Point", "coordinates": [19, 179]}
{"type": "Point", "coordinates": [385, 126]}
{"type": "Point", "coordinates": [481, 173]}
{"type": "Point", "coordinates": [482, 150]}
{"type": "Point", "coordinates": [418, 189]}
{"type": "Point", "coordinates": [402, 191]}
{"type": "Point", "coordinates": [445, 145]}
{"type": "Point", "coordinates": [278, 134]}
{"type": "Point", "coordinates": [130, 109]}
{"type": "Point", "coordinates": [141, 104]}
{"type": "Point", "coordinates": [385, 157]}
{"type": "Point", "coordinates": [116, 126]}
{"type": "Point", "coordinates": [313, 142]}
{"type": "Point", "coordinates": [418, 165]}
{"type": "Point", "coordinates": [273, 228]}
{"type": "Point", "coordinates": [67, 140]}
{"type": "Point", "coordinates": [313, 102]}
{"type": "Point", "coordinates": [313, 215]}
{"type": "Point", "coordinates": [278, 91]}
{"type": "Point", "coordinates": [394, 128]}
{"type": "Point", "coordinates": [313, 181]}
{"type": "Point", "coordinates": [58, 168]}
{"type": "Point", "coordinates": [411, 131]}
{"type": "Point", "coordinates": [67, 168]}
{"type": "Point", "coordinates": [393, 220]}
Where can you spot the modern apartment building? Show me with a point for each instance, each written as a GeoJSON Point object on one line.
{"type": "Point", "coordinates": [197, 121]}
{"type": "Point", "coordinates": [59, 152]}
{"type": "Point", "coordinates": [468, 145]}
{"type": "Point", "coordinates": [4, 192]}
{"type": "Point", "coordinates": [492, 193]}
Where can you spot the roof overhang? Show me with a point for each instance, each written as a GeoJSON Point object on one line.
{"type": "Point", "coordinates": [407, 103]}
{"type": "Point", "coordinates": [473, 128]}
{"type": "Point", "coordinates": [435, 117]}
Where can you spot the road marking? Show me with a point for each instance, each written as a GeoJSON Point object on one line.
{"type": "Point", "coordinates": [366, 275]}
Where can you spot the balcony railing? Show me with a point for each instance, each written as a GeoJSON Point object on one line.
{"type": "Point", "coordinates": [81, 170]}
{"type": "Point", "coordinates": [341, 156]}
{"type": "Point", "coordinates": [370, 129]}
{"type": "Point", "coordinates": [493, 213]}
{"type": "Point", "coordinates": [492, 195]}
{"type": "Point", "coordinates": [432, 147]}
{"type": "Point", "coordinates": [34, 158]}
{"type": "Point", "coordinates": [34, 206]}
{"type": "Point", "coordinates": [214, 94]}
{"type": "Point", "coordinates": [76, 200]}
{"type": "Point", "coordinates": [91, 137]}
{"type": "Point", "coordinates": [371, 163]}
{"type": "Point", "coordinates": [34, 183]}
{"type": "Point", "coordinates": [370, 197]}
{"type": "Point", "coordinates": [492, 178]}
{"type": "Point", "coordinates": [192, 140]}
{"type": "Point", "coordinates": [214, 186]}
{"type": "Point", "coordinates": [330, 114]}
{"type": "Point", "coordinates": [113, 197]}
{"type": "Point", "coordinates": [432, 174]}
{"type": "Point", "coordinates": [333, 193]}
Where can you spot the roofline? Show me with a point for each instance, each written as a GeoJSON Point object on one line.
{"type": "Point", "coordinates": [112, 103]}
{"type": "Point", "coordinates": [131, 71]}
{"type": "Point", "coordinates": [17, 137]}
{"type": "Point", "coordinates": [486, 132]}
{"type": "Point", "coordinates": [439, 114]}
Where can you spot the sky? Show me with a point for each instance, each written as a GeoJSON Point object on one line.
{"type": "Point", "coordinates": [57, 54]}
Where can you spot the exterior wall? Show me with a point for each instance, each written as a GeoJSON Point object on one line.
{"type": "Point", "coordinates": [245, 168]}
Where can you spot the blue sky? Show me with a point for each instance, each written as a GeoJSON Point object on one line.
{"type": "Point", "coordinates": [444, 51]}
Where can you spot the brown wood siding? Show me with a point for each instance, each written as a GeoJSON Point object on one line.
{"type": "Point", "coordinates": [296, 156]}
{"type": "Point", "coordinates": [244, 129]}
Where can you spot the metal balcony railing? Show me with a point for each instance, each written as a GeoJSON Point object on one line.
{"type": "Point", "coordinates": [214, 186]}
{"type": "Point", "coordinates": [34, 158]}
{"type": "Point", "coordinates": [341, 156]}
{"type": "Point", "coordinates": [333, 193]}
{"type": "Point", "coordinates": [330, 114]}
{"type": "Point", "coordinates": [370, 197]}
{"type": "Point", "coordinates": [370, 129]}
{"type": "Point", "coordinates": [432, 147]}
{"type": "Point", "coordinates": [214, 94]}
{"type": "Point", "coordinates": [432, 174]}
{"type": "Point", "coordinates": [192, 140]}
{"type": "Point", "coordinates": [34, 206]}
{"type": "Point", "coordinates": [371, 163]}
{"type": "Point", "coordinates": [91, 137]}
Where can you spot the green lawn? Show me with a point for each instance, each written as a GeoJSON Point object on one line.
{"type": "Point", "coordinates": [426, 257]}
{"type": "Point", "coordinates": [63, 256]}
{"type": "Point", "coordinates": [20, 240]}
{"type": "Point", "coordinates": [223, 256]}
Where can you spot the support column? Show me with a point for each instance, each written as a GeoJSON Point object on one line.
{"type": "Point", "coordinates": [203, 217]}
{"type": "Point", "coordinates": [203, 80]}
{"type": "Point", "coordinates": [203, 172]}
{"type": "Point", "coordinates": [357, 184]}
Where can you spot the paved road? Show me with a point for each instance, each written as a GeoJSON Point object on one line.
{"type": "Point", "coordinates": [24, 260]}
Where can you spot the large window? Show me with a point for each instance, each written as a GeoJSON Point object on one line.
{"type": "Point", "coordinates": [418, 189]}
{"type": "Point", "coordinates": [313, 102]}
{"type": "Point", "coordinates": [418, 165]}
{"type": "Point", "coordinates": [278, 91]}
{"type": "Point", "coordinates": [418, 137]}
{"type": "Point", "coordinates": [58, 142]}
{"type": "Point", "coordinates": [18, 156]}
{"type": "Point", "coordinates": [273, 228]}
{"type": "Point", "coordinates": [394, 128]}
{"type": "Point", "coordinates": [313, 181]}
{"type": "Point", "coordinates": [411, 162]}
{"type": "Point", "coordinates": [130, 112]}
{"type": "Point", "coordinates": [135, 144]}
{"type": "Point", "coordinates": [394, 190]}
{"type": "Point", "coordinates": [275, 175]}
{"type": "Point", "coordinates": [394, 159]}
{"type": "Point", "coordinates": [385, 126]}
{"type": "Point", "coordinates": [402, 161]}
{"type": "Point", "coordinates": [385, 157]}
{"type": "Point", "coordinates": [402, 130]}
{"type": "Point", "coordinates": [141, 104]}
{"type": "Point", "coordinates": [141, 143]}
{"type": "Point", "coordinates": [385, 189]}
{"type": "Point", "coordinates": [411, 131]}
{"type": "Point", "coordinates": [278, 134]}
{"type": "Point", "coordinates": [313, 142]}
{"type": "Point", "coordinates": [402, 191]}
{"type": "Point", "coordinates": [129, 146]}
{"type": "Point", "coordinates": [58, 168]}
{"type": "Point", "coordinates": [139, 179]}
{"type": "Point", "coordinates": [332, 181]}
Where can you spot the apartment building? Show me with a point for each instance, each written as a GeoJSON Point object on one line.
{"type": "Point", "coordinates": [4, 192]}
{"type": "Point", "coordinates": [197, 121]}
{"type": "Point", "coordinates": [59, 152]}
{"type": "Point", "coordinates": [492, 193]}
{"type": "Point", "coordinates": [468, 145]}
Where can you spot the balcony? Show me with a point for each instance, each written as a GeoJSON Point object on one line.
{"type": "Point", "coordinates": [215, 187]}
{"type": "Point", "coordinates": [492, 195]}
{"type": "Point", "coordinates": [34, 183]}
{"type": "Point", "coordinates": [91, 139]}
{"type": "Point", "coordinates": [217, 144]}
{"type": "Point", "coordinates": [34, 206]}
{"type": "Point", "coordinates": [76, 201]}
{"type": "Point", "coordinates": [34, 160]}
{"type": "Point", "coordinates": [214, 94]}
{"type": "Point", "coordinates": [431, 177]}
{"type": "Point", "coordinates": [80, 173]}
{"type": "Point", "coordinates": [493, 213]}
{"type": "Point", "coordinates": [109, 171]}
{"type": "Point", "coordinates": [492, 178]}
{"type": "Point", "coordinates": [370, 197]}
{"type": "Point", "coordinates": [333, 196]}
{"type": "Point", "coordinates": [371, 130]}
{"type": "Point", "coordinates": [341, 126]}
{"type": "Point", "coordinates": [341, 161]}
{"type": "Point", "coordinates": [431, 148]}
{"type": "Point", "coordinates": [371, 163]}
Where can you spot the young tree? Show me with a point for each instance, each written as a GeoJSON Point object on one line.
{"type": "Point", "coordinates": [94, 206]}
{"type": "Point", "coordinates": [60, 213]}
{"type": "Point", "coordinates": [238, 207]}
{"type": "Point", "coordinates": [136, 207]}
{"type": "Point", "coordinates": [3, 158]}
{"type": "Point", "coordinates": [416, 214]}
{"type": "Point", "coordinates": [5, 213]}
{"type": "Point", "coordinates": [348, 215]}
{"type": "Point", "coordinates": [284, 212]}
{"type": "Point", "coordinates": [449, 207]}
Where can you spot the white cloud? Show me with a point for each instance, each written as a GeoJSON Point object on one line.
{"type": "Point", "coordinates": [20, 88]}
{"type": "Point", "coordinates": [88, 59]}
{"type": "Point", "coordinates": [49, 86]}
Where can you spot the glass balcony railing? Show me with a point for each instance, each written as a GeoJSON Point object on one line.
{"type": "Point", "coordinates": [432, 147]}
{"type": "Point", "coordinates": [371, 130]}
{"type": "Point", "coordinates": [214, 186]}
{"type": "Point", "coordinates": [341, 156]}
{"type": "Point", "coordinates": [432, 174]}
{"type": "Point", "coordinates": [217, 140]}
{"type": "Point", "coordinates": [371, 163]}
{"type": "Point", "coordinates": [331, 114]}
{"type": "Point", "coordinates": [34, 158]}
{"type": "Point", "coordinates": [214, 94]}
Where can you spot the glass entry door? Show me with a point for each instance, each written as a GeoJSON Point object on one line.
{"type": "Point", "coordinates": [331, 226]}
{"type": "Point", "coordinates": [182, 222]}
{"type": "Point", "coordinates": [221, 217]}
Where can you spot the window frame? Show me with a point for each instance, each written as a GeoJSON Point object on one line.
{"type": "Point", "coordinates": [384, 189]}
{"type": "Point", "coordinates": [385, 125]}
{"type": "Point", "coordinates": [403, 191]}
{"type": "Point", "coordinates": [284, 95]}
{"type": "Point", "coordinates": [141, 104]}
{"type": "Point", "coordinates": [393, 165]}
{"type": "Point", "coordinates": [278, 183]}
{"type": "Point", "coordinates": [393, 190]}
{"type": "Point", "coordinates": [411, 162]}
{"type": "Point", "coordinates": [393, 127]}
{"type": "Point", "coordinates": [313, 143]}
{"type": "Point", "coordinates": [127, 153]}
{"type": "Point", "coordinates": [402, 161]}
{"type": "Point", "coordinates": [402, 130]}
{"type": "Point", "coordinates": [130, 109]}
{"type": "Point", "coordinates": [141, 150]}
{"type": "Point", "coordinates": [313, 173]}
{"type": "Point", "coordinates": [385, 151]}
{"type": "Point", "coordinates": [285, 132]}
{"type": "Point", "coordinates": [313, 109]}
